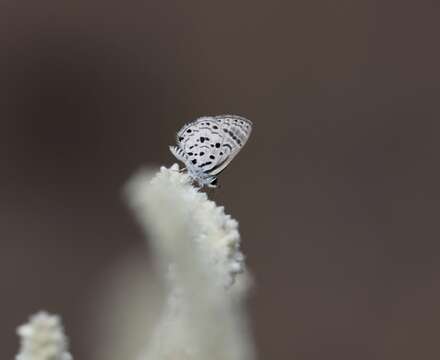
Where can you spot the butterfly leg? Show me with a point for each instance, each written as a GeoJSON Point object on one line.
{"type": "Point", "coordinates": [212, 192]}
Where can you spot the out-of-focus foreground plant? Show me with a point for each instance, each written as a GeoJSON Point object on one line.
{"type": "Point", "coordinates": [196, 248]}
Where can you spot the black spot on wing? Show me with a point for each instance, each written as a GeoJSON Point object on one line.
{"type": "Point", "coordinates": [234, 137]}
{"type": "Point", "coordinates": [217, 166]}
{"type": "Point", "coordinates": [209, 129]}
{"type": "Point", "coordinates": [205, 164]}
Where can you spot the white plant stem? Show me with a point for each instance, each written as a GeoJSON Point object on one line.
{"type": "Point", "coordinates": [197, 247]}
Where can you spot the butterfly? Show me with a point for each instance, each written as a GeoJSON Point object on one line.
{"type": "Point", "coordinates": [208, 144]}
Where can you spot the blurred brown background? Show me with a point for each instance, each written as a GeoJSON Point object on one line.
{"type": "Point", "coordinates": [336, 192]}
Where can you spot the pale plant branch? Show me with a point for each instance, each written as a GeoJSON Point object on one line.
{"type": "Point", "coordinates": [197, 247]}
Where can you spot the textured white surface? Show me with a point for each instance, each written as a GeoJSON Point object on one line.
{"type": "Point", "coordinates": [197, 247]}
{"type": "Point", "coordinates": [42, 338]}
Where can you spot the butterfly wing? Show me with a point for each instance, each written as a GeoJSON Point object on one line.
{"type": "Point", "coordinates": [197, 141]}
{"type": "Point", "coordinates": [209, 143]}
{"type": "Point", "coordinates": [179, 153]}
{"type": "Point", "coordinates": [235, 133]}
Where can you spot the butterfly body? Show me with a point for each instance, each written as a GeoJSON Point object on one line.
{"type": "Point", "coordinates": [207, 145]}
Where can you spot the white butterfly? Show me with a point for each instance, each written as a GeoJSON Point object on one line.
{"type": "Point", "coordinates": [207, 145]}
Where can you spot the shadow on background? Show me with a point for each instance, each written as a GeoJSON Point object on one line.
{"type": "Point", "coordinates": [336, 192]}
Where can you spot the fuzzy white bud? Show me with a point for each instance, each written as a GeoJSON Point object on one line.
{"type": "Point", "coordinates": [43, 338]}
